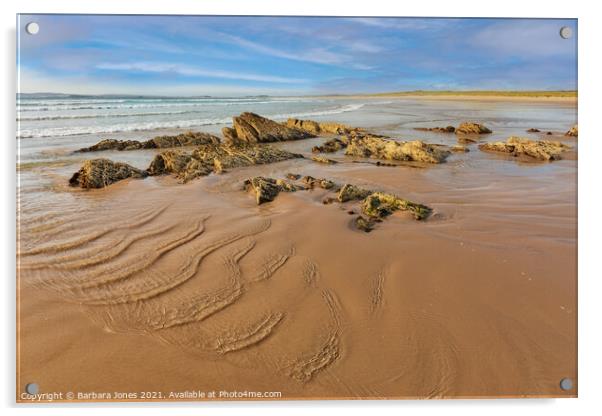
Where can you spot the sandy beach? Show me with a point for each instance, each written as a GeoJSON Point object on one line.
{"type": "Point", "coordinates": [152, 285]}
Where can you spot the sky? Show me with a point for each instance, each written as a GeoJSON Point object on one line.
{"type": "Point", "coordinates": [233, 56]}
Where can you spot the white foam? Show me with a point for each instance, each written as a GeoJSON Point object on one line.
{"type": "Point", "coordinates": [167, 124]}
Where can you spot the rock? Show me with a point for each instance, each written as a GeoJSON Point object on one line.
{"type": "Point", "coordinates": [160, 142]}
{"type": "Point", "coordinates": [572, 132]}
{"type": "Point", "coordinates": [459, 149]}
{"type": "Point", "coordinates": [321, 183]}
{"type": "Point", "coordinates": [467, 139]}
{"type": "Point", "coordinates": [267, 189]}
{"type": "Point", "coordinates": [252, 128]}
{"type": "Point", "coordinates": [472, 128]}
{"type": "Point", "coordinates": [380, 148]}
{"type": "Point", "coordinates": [448, 129]}
{"type": "Point", "coordinates": [532, 130]}
{"type": "Point", "coordinates": [315, 128]}
{"type": "Point", "coordinates": [293, 176]}
{"type": "Point", "coordinates": [215, 158]}
{"type": "Point", "coordinates": [536, 149]}
{"type": "Point", "coordinates": [229, 135]}
{"type": "Point", "coordinates": [112, 144]}
{"type": "Point", "coordinates": [98, 173]}
{"type": "Point", "coordinates": [218, 166]}
{"type": "Point", "coordinates": [364, 224]}
{"type": "Point", "coordinates": [328, 200]}
{"type": "Point", "coordinates": [331, 146]}
{"type": "Point", "coordinates": [380, 205]}
{"type": "Point", "coordinates": [351, 192]}
{"type": "Point", "coordinates": [324, 160]}
{"type": "Point", "coordinates": [185, 139]}
{"type": "Point", "coordinates": [549, 133]}
{"type": "Point", "coordinates": [170, 161]}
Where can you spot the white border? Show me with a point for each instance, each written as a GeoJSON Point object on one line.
{"type": "Point", "coordinates": [590, 149]}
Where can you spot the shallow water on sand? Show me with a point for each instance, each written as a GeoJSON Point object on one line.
{"type": "Point", "coordinates": [151, 285]}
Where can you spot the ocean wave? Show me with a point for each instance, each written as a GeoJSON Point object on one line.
{"type": "Point", "coordinates": [110, 115]}
{"type": "Point", "coordinates": [150, 104]}
{"type": "Point", "coordinates": [175, 124]}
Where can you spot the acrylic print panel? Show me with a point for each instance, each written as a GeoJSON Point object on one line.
{"type": "Point", "coordinates": [283, 208]}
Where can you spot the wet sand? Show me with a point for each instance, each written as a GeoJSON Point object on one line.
{"type": "Point", "coordinates": [154, 286]}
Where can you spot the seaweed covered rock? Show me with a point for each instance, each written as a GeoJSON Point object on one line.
{"type": "Point", "coordinates": [364, 224]}
{"type": "Point", "coordinates": [535, 149]}
{"type": "Point", "coordinates": [267, 189]}
{"type": "Point", "coordinates": [325, 160]}
{"type": "Point", "coordinates": [448, 129]}
{"type": "Point", "coordinates": [331, 146]}
{"type": "Point", "coordinates": [387, 149]}
{"type": "Point", "coordinates": [315, 128]}
{"type": "Point", "coordinates": [380, 205]}
{"type": "Point", "coordinates": [472, 128]}
{"type": "Point", "coordinates": [190, 138]}
{"type": "Point", "coordinates": [321, 183]}
{"type": "Point", "coordinates": [98, 173]}
{"type": "Point", "coordinates": [252, 128]}
{"type": "Point", "coordinates": [113, 144]}
{"type": "Point", "coordinates": [215, 158]}
{"type": "Point", "coordinates": [160, 142]}
{"type": "Point", "coordinates": [573, 132]}
{"type": "Point", "coordinates": [351, 192]}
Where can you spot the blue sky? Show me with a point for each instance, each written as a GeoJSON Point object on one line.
{"type": "Point", "coordinates": [226, 56]}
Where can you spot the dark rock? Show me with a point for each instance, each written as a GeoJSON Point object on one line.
{"type": "Point", "coordinates": [364, 224]}
{"type": "Point", "coordinates": [328, 200]}
{"type": "Point", "coordinates": [532, 130]}
{"type": "Point", "coordinates": [448, 129]}
{"type": "Point", "coordinates": [98, 173]}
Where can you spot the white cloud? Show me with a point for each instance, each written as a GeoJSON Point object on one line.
{"type": "Point", "coordinates": [529, 37]}
{"type": "Point", "coordinates": [31, 81]}
{"type": "Point", "coordinates": [186, 70]}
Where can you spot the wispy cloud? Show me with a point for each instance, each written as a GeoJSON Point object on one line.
{"type": "Point", "coordinates": [190, 71]}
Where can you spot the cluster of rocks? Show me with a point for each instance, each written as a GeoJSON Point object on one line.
{"type": "Point", "coordinates": [374, 206]}
{"type": "Point", "coordinates": [203, 160]}
{"type": "Point", "coordinates": [448, 129]}
{"type": "Point", "coordinates": [465, 128]}
{"type": "Point", "coordinates": [243, 145]}
{"type": "Point", "coordinates": [533, 149]}
{"type": "Point", "coordinates": [160, 142]}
